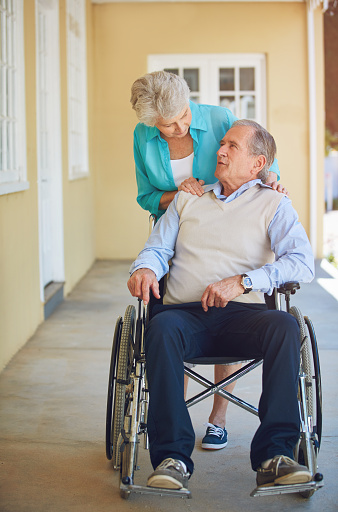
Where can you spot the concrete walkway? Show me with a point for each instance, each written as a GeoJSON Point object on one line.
{"type": "Point", "coordinates": [52, 424]}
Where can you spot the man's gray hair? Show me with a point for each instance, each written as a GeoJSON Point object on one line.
{"type": "Point", "coordinates": [159, 95]}
{"type": "Point", "coordinates": [261, 143]}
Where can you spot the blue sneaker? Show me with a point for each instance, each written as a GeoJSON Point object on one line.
{"type": "Point", "coordinates": [215, 438]}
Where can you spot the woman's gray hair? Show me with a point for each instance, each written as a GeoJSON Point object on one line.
{"type": "Point", "coordinates": [261, 143]}
{"type": "Point", "coordinates": [159, 95]}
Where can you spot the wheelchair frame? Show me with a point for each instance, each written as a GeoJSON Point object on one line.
{"type": "Point", "coordinates": [127, 400]}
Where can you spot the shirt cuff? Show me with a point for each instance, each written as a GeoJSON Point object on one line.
{"type": "Point", "coordinates": [133, 269]}
{"type": "Point", "coordinates": [260, 280]}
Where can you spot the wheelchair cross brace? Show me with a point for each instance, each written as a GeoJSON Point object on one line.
{"type": "Point", "coordinates": [218, 388]}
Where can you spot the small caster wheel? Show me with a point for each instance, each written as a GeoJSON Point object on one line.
{"type": "Point", "coordinates": [318, 477]}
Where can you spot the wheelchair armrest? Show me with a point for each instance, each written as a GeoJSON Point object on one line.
{"type": "Point", "coordinates": [290, 287]}
{"type": "Point", "coordinates": [153, 300]}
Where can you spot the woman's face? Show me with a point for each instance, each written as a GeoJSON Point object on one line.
{"type": "Point", "coordinates": [177, 126]}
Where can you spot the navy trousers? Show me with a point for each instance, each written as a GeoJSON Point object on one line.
{"type": "Point", "coordinates": [179, 332]}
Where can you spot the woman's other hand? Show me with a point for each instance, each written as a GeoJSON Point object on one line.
{"type": "Point", "coordinates": [193, 186]}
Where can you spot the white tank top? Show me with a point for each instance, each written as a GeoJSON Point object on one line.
{"type": "Point", "coordinates": [182, 169]}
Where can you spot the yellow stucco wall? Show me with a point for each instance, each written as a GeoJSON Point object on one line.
{"type": "Point", "coordinates": [20, 304]}
{"type": "Point", "coordinates": [125, 34]}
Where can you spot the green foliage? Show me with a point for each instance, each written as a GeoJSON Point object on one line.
{"type": "Point", "coordinates": [332, 259]}
{"type": "Point", "coordinates": [331, 141]}
{"type": "Point", "coordinates": [334, 204]}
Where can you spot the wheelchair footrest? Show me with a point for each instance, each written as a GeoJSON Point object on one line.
{"type": "Point", "coordinates": [286, 489]}
{"type": "Point", "coordinates": [140, 489]}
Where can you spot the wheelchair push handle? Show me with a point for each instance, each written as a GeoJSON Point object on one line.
{"type": "Point", "coordinates": [288, 289]}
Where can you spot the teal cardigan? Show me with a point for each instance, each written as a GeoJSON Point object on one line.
{"type": "Point", "coordinates": [152, 158]}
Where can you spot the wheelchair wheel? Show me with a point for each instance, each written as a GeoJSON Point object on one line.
{"type": "Point", "coordinates": [317, 378]}
{"type": "Point", "coordinates": [310, 398]}
{"type": "Point", "coordinates": [134, 422]}
{"type": "Point", "coordinates": [123, 373]}
{"type": "Point", "coordinates": [111, 388]}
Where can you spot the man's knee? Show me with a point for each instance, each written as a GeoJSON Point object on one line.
{"type": "Point", "coordinates": [282, 328]}
{"type": "Point", "coordinates": [283, 322]}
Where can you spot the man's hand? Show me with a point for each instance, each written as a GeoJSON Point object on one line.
{"type": "Point", "coordinates": [220, 293]}
{"type": "Point", "coordinates": [141, 282]}
{"type": "Point", "coordinates": [193, 186]}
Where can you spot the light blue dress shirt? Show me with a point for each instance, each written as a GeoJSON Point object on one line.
{"type": "Point", "coordinates": [293, 254]}
{"type": "Point", "coordinates": [154, 175]}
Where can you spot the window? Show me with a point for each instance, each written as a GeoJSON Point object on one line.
{"type": "Point", "coordinates": [77, 89]}
{"type": "Point", "coordinates": [12, 98]}
{"type": "Point", "coordinates": [235, 81]}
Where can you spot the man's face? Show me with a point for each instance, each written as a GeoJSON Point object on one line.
{"type": "Point", "coordinates": [234, 163]}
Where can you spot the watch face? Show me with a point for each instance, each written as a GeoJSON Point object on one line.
{"type": "Point", "coordinates": [247, 282]}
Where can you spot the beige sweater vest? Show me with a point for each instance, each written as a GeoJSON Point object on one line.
{"type": "Point", "coordinates": [218, 240]}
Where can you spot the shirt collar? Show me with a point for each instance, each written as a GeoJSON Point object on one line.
{"type": "Point", "coordinates": [217, 189]}
{"type": "Point", "coordinates": [197, 123]}
{"type": "Point", "coordinates": [152, 132]}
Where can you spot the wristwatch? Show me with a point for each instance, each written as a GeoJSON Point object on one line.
{"type": "Point", "coordinates": [246, 283]}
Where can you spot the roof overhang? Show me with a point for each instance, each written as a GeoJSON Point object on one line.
{"type": "Point", "coordinates": [313, 4]}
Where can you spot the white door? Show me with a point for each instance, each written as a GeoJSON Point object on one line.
{"type": "Point", "coordinates": [236, 81]}
{"type": "Point", "coordinates": [49, 142]}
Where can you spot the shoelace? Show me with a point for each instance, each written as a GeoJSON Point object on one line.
{"type": "Point", "coordinates": [214, 430]}
{"type": "Point", "coordinates": [172, 463]}
{"type": "Point", "coordinates": [279, 459]}
{"type": "Point", "coordinates": [283, 458]}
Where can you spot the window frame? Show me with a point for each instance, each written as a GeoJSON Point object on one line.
{"type": "Point", "coordinates": [14, 179]}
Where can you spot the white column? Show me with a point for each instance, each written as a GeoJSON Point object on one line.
{"type": "Point", "coordinates": [313, 127]}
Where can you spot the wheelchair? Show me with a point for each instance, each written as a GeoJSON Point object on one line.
{"type": "Point", "coordinates": [127, 400]}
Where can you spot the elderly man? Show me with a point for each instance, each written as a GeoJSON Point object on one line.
{"type": "Point", "coordinates": [229, 246]}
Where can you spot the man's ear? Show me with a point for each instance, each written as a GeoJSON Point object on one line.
{"type": "Point", "coordinates": [259, 163]}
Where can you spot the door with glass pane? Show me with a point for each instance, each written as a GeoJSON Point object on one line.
{"type": "Point", "coordinates": [235, 81]}
{"type": "Point", "coordinates": [192, 77]}
{"type": "Point", "coordinates": [237, 91]}
{"type": "Point", "coordinates": [49, 142]}
{"type": "Point", "coordinates": [239, 84]}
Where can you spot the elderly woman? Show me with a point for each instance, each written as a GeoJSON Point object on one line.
{"type": "Point", "coordinates": [175, 145]}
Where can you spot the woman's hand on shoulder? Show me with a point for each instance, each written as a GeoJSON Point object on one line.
{"type": "Point", "coordinates": [279, 187]}
{"type": "Point", "coordinates": [273, 183]}
{"type": "Point", "coordinates": [192, 186]}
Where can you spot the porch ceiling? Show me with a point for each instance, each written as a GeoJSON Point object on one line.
{"type": "Point", "coordinates": [313, 4]}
